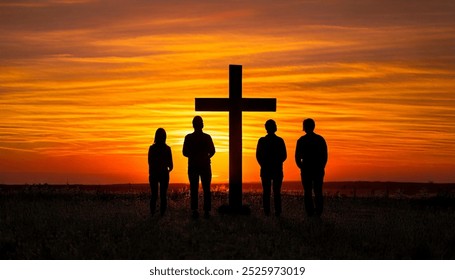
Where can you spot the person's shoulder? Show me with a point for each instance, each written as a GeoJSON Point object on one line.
{"type": "Point", "coordinates": [319, 139]}
{"type": "Point", "coordinates": [301, 138]}
{"type": "Point", "coordinates": [277, 138]}
{"type": "Point", "coordinates": [152, 148]}
{"type": "Point", "coordinates": [206, 135]}
{"type": "Point", "coordinates": [319, 136]}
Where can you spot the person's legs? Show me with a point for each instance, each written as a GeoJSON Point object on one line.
{"type": "Point", "coordinates": [164, 184]}
{"type": "Point", "coordinates": [154, 193]}
{"type": "Point", "coordinates": [193, 176]}
{"type": "Point", "coordinates": [206, 179]}
{"type": "Point", "coordinates": [319, 199]}
{"type": "Point", "coordinates": [266, 189]}
{"type": "Point", "coordinates": [307, 183]}
{"type": "Point", "coordinates": [277, 182]}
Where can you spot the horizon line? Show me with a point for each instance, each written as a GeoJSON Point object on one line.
{"type": "Point", "coordinates": [218, 184]}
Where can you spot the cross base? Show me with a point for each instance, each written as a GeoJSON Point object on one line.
{"type": "Point", "coordinates": [231, 210]}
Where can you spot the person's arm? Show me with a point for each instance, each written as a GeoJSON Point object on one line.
{"type": "Point", "coordinates": [325, 154]}
{"type": "Point", "coordinates": [284, 152]}
{"type": "Point", "coordinates": [170, 162]}
{"type": "Point", "coordinates": [211, 147]}
{"type": "Point", "coordinates": [298, 152]}
{"type": "Point", "coordinates": [260, 152]}
{"type": "Point", "coordinates": [150, 155]}
{"type": "Point", "coordinates": [185, 150]}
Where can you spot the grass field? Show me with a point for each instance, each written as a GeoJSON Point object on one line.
{"type": "Point", "coordinates": [74, 224]}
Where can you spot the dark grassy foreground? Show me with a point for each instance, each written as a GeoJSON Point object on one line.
{"type": "Point", "coordinates": [78, 225]}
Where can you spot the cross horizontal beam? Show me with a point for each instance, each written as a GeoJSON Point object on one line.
{"type": "Point", "coordinates": [246, 104]}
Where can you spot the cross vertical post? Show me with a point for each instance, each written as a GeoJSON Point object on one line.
{"type": "Point", "coordinates": [235, 136]}
{"type": "Point", "coordinates": [235, 105]}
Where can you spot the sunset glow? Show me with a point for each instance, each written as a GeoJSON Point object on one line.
{"type": "Point", "coordinates": [84, 84]}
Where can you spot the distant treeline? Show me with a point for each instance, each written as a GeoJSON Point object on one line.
{"type": "Point", "coordinates": [343, 189]}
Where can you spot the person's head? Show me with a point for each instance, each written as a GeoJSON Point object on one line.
{"type": "Point", "coordinates": [308, 125]}
{"type": "Point", "coordinates": [198, 123]}
{"type": "Point", "coordinates": [270, 126]}
{"type": "Point", "coordinates": [160, 136]}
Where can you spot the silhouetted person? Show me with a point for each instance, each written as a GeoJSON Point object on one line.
{"type": "Point", "coordinates": [160, 164]}
{"type": "Point", "coordinates": [271, 153]}
{"type": "Point", "coordinates": [198, 148]}
{"type": "Point", "coordinates": [311, 158]}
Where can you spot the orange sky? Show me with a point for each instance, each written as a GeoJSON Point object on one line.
{"type": "Point", "coordinates": [84, 84]}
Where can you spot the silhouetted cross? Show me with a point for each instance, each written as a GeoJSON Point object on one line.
{"type": "Point", "coordinates": [235, 105]}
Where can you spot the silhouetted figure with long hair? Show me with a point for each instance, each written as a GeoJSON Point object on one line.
{"type": "Point", "coordinates": [198, 148]}
{"type": "Point", "coordinates": [160, 164]}
{"type": "Point", "coordinates": [270, 154]}
{"type": "Point", "coordinates": [311, 157]}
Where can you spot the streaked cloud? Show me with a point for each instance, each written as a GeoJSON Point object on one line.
{"type": "Point", "coordinates": [94, 79]}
